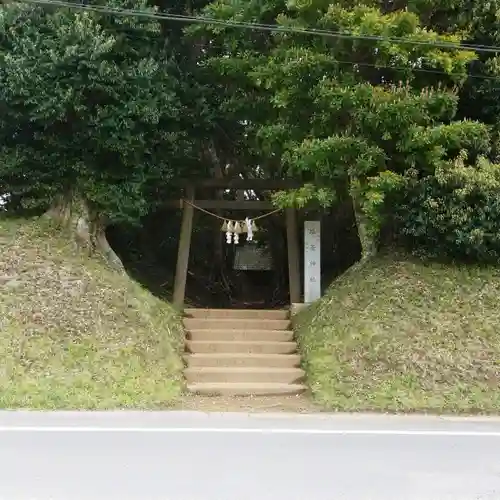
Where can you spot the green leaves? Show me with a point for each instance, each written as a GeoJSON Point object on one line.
{"type": "Point", "coordinates": [90, 105]}
{"type": "Point", "coordinates": [425, 148]}
{"type": "Point", "coordinates": [363, 110]}
{"type": "Point", "coordinates": [302, 197]}
{"type": "Point", "coordinates": [317, 87]}
{"type": "Point", "coordinates": [453, 214]}
{"type": "Point", "coordinates": [111, 108]}
{"type": "Point", "coordinates": [335, 158]}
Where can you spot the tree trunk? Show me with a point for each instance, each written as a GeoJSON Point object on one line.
{"type": "Point", "coordinates": [87, 227]}
{"type": "Point", "coordinates": [368, 245]}
{"type": "Point", "coordinates": [217, 173]}
{"type": "Point", "coordinates": [365, 234]}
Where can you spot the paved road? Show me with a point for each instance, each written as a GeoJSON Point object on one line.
{"type": "Point", "coordinates": [196, 456]}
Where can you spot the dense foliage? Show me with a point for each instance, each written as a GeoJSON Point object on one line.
{"type": "Point", "coordinates": [108, 110]}
{"type": "Point", "coordinates": [451, 214]}
{"type": "Point", "coordinates": [91, 109]}
{"type": "Point", "coordinates": [353, 115]}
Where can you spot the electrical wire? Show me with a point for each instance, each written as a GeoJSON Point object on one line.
{"type": "Point", "coordinates": [259, 26]}
{"type": "Point", "coordinates": [399, 68]}
{"type": "Point", "coordinates": [358, 63]}
{"type": "Point", "coordinates": [193, 19]}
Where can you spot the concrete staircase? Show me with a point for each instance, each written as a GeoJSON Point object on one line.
{"type": "Point", "coordinates": [233, 352]}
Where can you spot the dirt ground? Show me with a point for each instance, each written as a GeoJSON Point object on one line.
{"type": "Point", "coordinates": [248, 404]}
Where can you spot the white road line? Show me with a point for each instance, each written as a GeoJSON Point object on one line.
{"type": "Point", "coordinates": [244, 430]}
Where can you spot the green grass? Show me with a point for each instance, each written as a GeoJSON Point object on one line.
{"type": "Point", "coordinates": [76, 335]}
{"type": "Point", "coordinates": [402, 335]}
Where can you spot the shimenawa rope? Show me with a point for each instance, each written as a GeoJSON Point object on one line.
{"type": "Point", "coordinates": [259, 217]}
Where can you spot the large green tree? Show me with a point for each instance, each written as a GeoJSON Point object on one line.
{"type": "Point", "coordinates": [99, 112]}
{"type": "Point", "coordinates": [93, 123]}
{"type": "Point", "coordinates": [344, 112]}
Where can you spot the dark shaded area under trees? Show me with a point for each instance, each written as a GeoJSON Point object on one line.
{"type": "Point", "coordinates": [149, 253]}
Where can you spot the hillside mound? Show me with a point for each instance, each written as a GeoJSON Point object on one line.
{"type": "Point", "coordinates": [403, 335]}
{"type": "Point", "coordinates": [75, 334]}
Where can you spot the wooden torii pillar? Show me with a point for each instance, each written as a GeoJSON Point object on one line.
{"type": "Point", "coordinates": [183, 251]}
{"type": "Point", "coordinates": [186, 231]}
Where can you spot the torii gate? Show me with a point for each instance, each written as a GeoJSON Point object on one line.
{"type": "Point", "coordinates": [186, 230]}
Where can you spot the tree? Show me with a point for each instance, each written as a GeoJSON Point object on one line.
{"type": "Point", "coordinates": [341, 112]}
{"type": "Point", "coordinates": [480, 96]}
{"type": "Point", "coordinates": [92, 125]}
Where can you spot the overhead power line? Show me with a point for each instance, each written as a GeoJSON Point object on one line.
{"type": "Point", "coordinates": [361, 64]}
{"type": "Point", "coordinates": [275, 28]}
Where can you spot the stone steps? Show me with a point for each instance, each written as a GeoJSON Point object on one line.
{"type": "Point", "coordinates": [241, 346]}
{"type": "Point", "coordinates": [238, 352]}
{"type": "Point", "coordinates": [249, 389]}
{"type": "Point", "coordinates": [231, 359]}
{"type": "Point", "coordinates": [240, 335]}
{"type": "Point", "coordinates": [236, 313]}
{"type": "Point", "coordinates": [236, 324]}
{"type": "Point", "coordinates": [244, 375]}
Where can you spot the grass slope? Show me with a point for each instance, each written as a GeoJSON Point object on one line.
{"type": "Point", "coordinates": [401, 335]}
{"type": "Point", "coordinates": [76, 335]}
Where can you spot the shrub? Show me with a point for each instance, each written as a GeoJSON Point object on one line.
{"type": "Point", "coordinates": [454, 213]}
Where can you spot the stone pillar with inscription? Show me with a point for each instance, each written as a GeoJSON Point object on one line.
{"type": "Point", "coordinates": [312, 261]}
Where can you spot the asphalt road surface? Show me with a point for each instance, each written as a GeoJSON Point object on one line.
{"type": "Point", "coordinates": [197, 456]}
